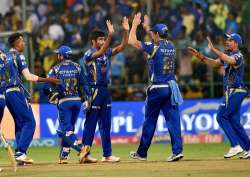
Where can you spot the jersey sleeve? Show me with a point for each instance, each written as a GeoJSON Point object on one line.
{"type": "Point", "coordinates": [238, 58]}
{"type": "Point", "coordinates": [88, 55]}
{"type": "Point", "coordinates": [147, 47]}
{"type": "Point", "coordinates": [51, 72]}
{"type": "Point", "coordinates": [21, 62]}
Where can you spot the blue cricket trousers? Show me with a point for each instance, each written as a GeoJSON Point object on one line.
{"type": "Point", "coordinates": [68, 109]}
{"type": "Point", "coordinates": [100, 112]}
{"type": "Point", "coordinates": [159, 99]}
{"type": "Point", "coordinates": [68, 114]}
{"type": "Point", "coordinates": [24, 119]}
{"type": "Point", "coordinates": [228, 117]}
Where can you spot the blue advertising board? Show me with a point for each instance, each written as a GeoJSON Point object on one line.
{"type": "Point", "coordinates": [197, 117]}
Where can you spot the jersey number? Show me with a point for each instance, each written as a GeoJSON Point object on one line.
{"type": "Point", "coordinates": [166, 65]}
{"type": "Point", "coordinates": [70, 84]}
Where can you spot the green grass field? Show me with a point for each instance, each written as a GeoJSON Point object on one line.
{"type": "Point", "coordinates": [201, 160]}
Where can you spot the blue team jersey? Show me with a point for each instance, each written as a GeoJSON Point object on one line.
{"type": "Point", "coordinates": [16, 63]}
{"type": "Point", "coordinates": [233, 77]}
{"type": "Point", "coordinates": [161, 61]}
{"type": "Point", "coordinates": [98, 70]}
{"type": "Point", "coordinates": [70, 73]}
{"type": "Point", "coordinates": [3, 74]}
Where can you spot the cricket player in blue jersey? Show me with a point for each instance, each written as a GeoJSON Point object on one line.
{"type": "Point", "coordinates": [163, 93]}
{"type": "Point", "coordinates": [3, 77]}
{"type": "Point", "coordinates": [97, 61]}
{"type": "Point", "coordinates": [16, 96]}
{"type": "Point", "coordinates": [68, 96]}
{"type": "Point", "coordinates": [228, 115]}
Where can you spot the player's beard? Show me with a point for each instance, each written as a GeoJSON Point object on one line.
{"type": "Point", "coordinates": [227, 49]}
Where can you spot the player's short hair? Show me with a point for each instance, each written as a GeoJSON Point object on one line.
{"type": "Point", "coordinates": [95, 34]}
{"type": "Point", "coordinates": [13, 37]}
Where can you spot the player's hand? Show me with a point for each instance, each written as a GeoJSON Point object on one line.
{"type": "Point", "coordinates": [146, 23]}
{"type": "Point", "coordinates": [87, 104]}
{"type": "Point", "coordinates": [53, 80]}
{"type": "Point", "coordinates": [137, 19]}
{"type": "Point", "coordinates": [195, 53]}
{"type": "Point", "coordinates": [210, 44]}
{"type": "Point", "coordinates": [110, 27]}
{"type": "Point", "coordinates": [125, 24]}
{"type": "Point", "coordinates": [53, 97]}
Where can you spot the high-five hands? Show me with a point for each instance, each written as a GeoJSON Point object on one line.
{"type": "Point", "coordinates": [146, 23]}
{"type": "Point", "coordinates": [137, 19]}
{"type": "Point", "coordinates": [125, 24]}
{"type": "Point", "coordinates": [110, 27]}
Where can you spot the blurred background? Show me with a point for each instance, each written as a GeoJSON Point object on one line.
{"type": "Point", "coordinates": [46, 24]}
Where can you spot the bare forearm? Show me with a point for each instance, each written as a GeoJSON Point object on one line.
{"type": "Point", "coordinates": [29, 76]}
{"type": "Point", "coordinates": [211, 62]}
{"type": "Point", "coordinates": [133, 38]}
{"type": "Point", "coordinates": [208, 61]}
{"type": "Point", "coordinates": [103, 49]}
{"type": "Point", "coordinates": [132, 35]}
{"type": "Point", "coordinates": [34, 78]}
{"type": "Point", "coordinates": [228, 59]}
{"type": "Point", "coordinates": [125, 38]}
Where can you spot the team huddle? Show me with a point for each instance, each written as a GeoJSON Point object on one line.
{"type": "Point", "coordinates": [71, 86]}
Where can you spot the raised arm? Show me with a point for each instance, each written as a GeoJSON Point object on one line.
{"type": "Point", "coordinates": [133, 41]}
{"type": "Point", "coordinates": [209, 61]}
{"type": "Point", "coordinates": [124, 42]}
{"type": "Point", "coordinates": [146, 26]}
{"type": "Point", "coordinates": [226, 58]}
{"type": "Point", "coordinates": [105, 46]}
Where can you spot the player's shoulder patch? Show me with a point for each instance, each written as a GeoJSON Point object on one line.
{"type": "Point", "coordinates": [56, 67]}
{"type": "Point", "coordinates": [89, 52]}
{"type": "Point", "coordinates": [238, 55]}
{"type": "Point", "coordinates": [78, 67]}
{"type": "Point", "coordinates": [50, 71]}
{"type": "Point", "coordinates": [22, 57]}
{"type": "Point", "coordinates": [87, 56]}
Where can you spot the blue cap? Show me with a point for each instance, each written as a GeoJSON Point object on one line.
{"type": "Point", "coordinates": [160, 28]}
{"type": "Point", "coordinates": [64, 50]}
{"type": "Point", "coordinates": [234, 36]}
